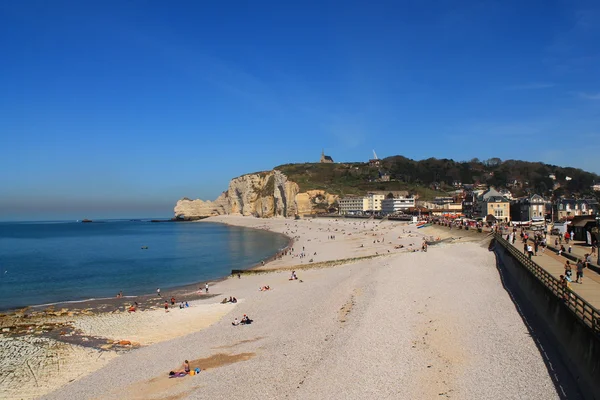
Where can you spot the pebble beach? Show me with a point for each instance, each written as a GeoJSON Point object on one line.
{"type": "Point", "coordinates": [370, 315]}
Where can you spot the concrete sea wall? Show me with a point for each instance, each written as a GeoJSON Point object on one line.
{"type": "Point", "coordinates": [576, 343]}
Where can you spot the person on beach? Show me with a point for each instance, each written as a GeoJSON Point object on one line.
{"type": "Point", "coordinates": [166, 306]}
{"type": "Point", "coordinates": [158, 292]}
{"type": "Point", "coordinates": [185, 369]}
{"type": "Point", "coordinates": [530, 251]}
{"type": "Point", "coordinates": [246, 320]}
{"type": "Point", "coordinates": [172, 301]}
{"type": "Point", "coordinates": [235, 322]}
{"type": "Point", "coordinates": [206, 287]}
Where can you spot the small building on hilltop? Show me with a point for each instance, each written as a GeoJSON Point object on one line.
{"type": "Point", "coordinates": [325, 159]}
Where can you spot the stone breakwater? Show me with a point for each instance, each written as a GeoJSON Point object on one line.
{"type": "Point", "coordinates": [264, 194]}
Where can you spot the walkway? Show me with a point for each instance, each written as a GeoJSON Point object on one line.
{"type": "Point", "coordinates": [589, 290]}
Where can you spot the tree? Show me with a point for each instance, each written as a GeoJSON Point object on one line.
{"type": "Point", "coordinates": [493, 162]}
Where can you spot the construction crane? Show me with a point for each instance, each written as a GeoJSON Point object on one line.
{"type": "Point", "coordinates": [375, 155]}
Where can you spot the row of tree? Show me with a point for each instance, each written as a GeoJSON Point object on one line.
{"type": "Point", "coordinates": [521, 176]}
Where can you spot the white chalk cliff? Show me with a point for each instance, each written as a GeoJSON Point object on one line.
{"type": "Point", "coordinates": [264, 194]}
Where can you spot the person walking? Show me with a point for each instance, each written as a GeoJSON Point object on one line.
{"type": "Point", "coordinates": [530, 251]}
{"type": "Point", "coordinates": [580, 266]}
{"type": "Point", "coordinates": [158, 292]}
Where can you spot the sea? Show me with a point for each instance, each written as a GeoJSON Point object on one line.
{"type": "Point", "coordinates": [49, 262]}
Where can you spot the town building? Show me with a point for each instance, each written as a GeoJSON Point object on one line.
{"type": "Point", "coordinates": [325, 159]}
{"type": "Point", "coordinates": [375, 161]}
{"type": "Point", "coordinates": [532, 208]}
{"type": "Point", "coordinates": [497, 206]}
{"type": "Point", "coordinates": [394, 205]}
{"type": "Point", "coordinates": [358, 205]}
{"type": "Point", "coordinates": [443, 200]}
{"type": "Point", "coordinates": [566, 209]}
{"type": "Point", "coordinates": [352, 205]}
{"type": "Point", "coordinates": [468, 205]}
{"type": "Point", "coordinates": [596, 187]}
{"type": "Point", "coordinates": [588, 207]}
{"type": "Point", "coordinates": [373, 203]}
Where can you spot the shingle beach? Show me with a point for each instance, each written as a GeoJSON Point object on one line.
{"type": "Point", "coordinates": [393, 323]}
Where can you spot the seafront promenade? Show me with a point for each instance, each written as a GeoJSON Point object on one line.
{"type": "Point", "coordinates": [555, 265]}
{"type": "Point", "coordinates": [552, 265]}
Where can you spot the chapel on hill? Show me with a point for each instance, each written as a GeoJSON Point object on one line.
{"type": "Point", "coordinates": [325, 159]}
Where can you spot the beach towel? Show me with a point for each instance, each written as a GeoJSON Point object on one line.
{"type": "Point", "coordinates": [178, 375]}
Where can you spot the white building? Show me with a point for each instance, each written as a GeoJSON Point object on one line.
{"type": "Point", "coordinates": [352, 205]}
{"type": "Point", "coordinates": [374, 201]}
{"type": "Point", "coordinates": [397, 204]}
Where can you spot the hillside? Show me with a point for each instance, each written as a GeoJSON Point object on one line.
{"type": "Point", "coordinates": [434, 177]}
{"type": "Point", "coordinates": [347, 179]}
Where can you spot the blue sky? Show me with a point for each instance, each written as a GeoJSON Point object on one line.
{"type": "Point", "coordinates": [119, 108]}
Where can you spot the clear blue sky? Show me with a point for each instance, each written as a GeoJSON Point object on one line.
{"type": "Point", "coordinates": [120, 108]}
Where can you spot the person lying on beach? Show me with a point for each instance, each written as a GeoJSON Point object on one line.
{"type": "Point", "coordinates": [183, 372]}
{"type": "Point", "coordinates": [262, 289]}
{"type": "Point", "coordinates": [132, 308]}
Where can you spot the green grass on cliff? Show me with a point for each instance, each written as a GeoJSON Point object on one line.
{"type": "Point", "coordinates": [347, 179]}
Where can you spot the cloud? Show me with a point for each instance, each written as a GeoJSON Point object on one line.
{"type": "Point", "coordinates": [531, 86]}
{"type": "Point", "coordinates": [589, 96]}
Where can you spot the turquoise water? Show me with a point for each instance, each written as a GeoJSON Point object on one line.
{"type": "Point", "coordinates": [47, 262]}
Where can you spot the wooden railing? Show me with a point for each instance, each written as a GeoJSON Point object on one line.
{"type": "Point", "coordinates": [587, 313]}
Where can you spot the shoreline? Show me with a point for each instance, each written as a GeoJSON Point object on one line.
{"type": "Point", "coordinates": [103, 303]}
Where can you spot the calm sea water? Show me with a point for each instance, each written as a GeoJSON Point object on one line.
{"type": "Point", "coordinates": [46, 262]}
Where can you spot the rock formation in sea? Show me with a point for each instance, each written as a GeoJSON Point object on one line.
{"type": "Point", "coordinates": [263, 194]}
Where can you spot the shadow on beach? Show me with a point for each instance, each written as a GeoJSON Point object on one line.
{"type": "Point", "coordinates": [562, 378]}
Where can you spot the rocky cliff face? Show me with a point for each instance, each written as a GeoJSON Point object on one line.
{"type": "Point", "coordinates": [264, 194]}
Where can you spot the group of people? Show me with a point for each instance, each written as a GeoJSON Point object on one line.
{"type": "Point", "coordinates": [579, 266]}
{"type": "Point", "coordinates": [230, 300]}
{"type": "Point", "coordinates": [245, 321]}
{"type": "Point", "coordinates": [182, 305]}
